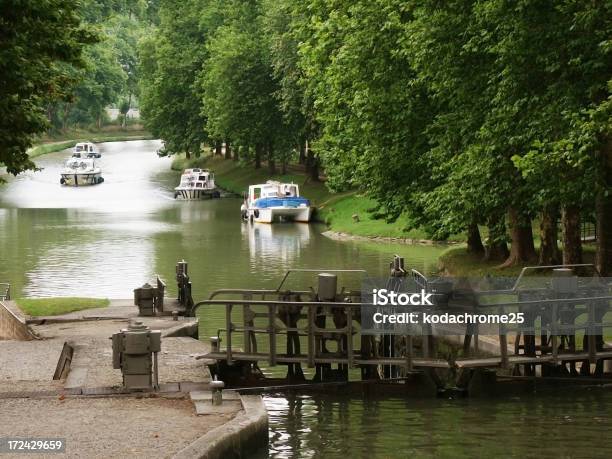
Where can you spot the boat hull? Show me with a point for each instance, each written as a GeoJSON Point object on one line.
{"type": "Point", "coordinates": [195, 194]}
{"type": "Point", "coordinates": [81, 179]}
{"type": "Point", "coordinates": [271, 214]}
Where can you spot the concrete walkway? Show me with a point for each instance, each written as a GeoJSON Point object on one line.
{"type": "Point", "coordinates": [89, 407]}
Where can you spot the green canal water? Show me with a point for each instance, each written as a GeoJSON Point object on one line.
{"type": "Point", "coordinates": [104, 241]}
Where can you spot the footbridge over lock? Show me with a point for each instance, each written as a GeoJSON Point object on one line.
{"type": "Point", "coordinates": [319, 333]}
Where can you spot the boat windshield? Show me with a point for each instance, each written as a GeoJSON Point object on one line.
{"type": "Point", "coordinates": [79, 164]}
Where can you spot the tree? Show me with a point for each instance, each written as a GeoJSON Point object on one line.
{"type": "Point", "coordinates": [238, 88]}
{"type": "Point", "coordinates": [170, 62]}
{"type": "Point", "coordinates": [41, 44]}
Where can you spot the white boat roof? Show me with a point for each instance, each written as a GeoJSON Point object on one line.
{"type": "Point", "coordinates": [196, 170]}
{"type": "Point", "coordinates": [272, 183]}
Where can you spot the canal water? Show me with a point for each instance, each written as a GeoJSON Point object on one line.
{"type": "Point", "coordinates": [104, 241]}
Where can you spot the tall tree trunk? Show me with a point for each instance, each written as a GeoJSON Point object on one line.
{"type": "Point", "coordinates": [302, 149]}
{"type": "Point", "coordinates": [496, 248]}
{"type": "Point", "coordinates": [218, 148]}
{"type": "Point", "coordinates": [284, 165]}
{"type": "Point", "coordinates": [271, 162]}
{"type": "Point", "coordinates": [312, 164]}
{"type": "Point", "coordinates": [603, 211]}
{"type": "Point", "coordinates": [187, 155]}
{"type": "Point", "coordinates": [258, 148]}
{"type": "Point", "coordinates": [474, 241]}
{"type": "Point", "coordinates": [237, 152]}
{"type": "Point", "coordinates": [572, 245]}
{"type": "Point", "coordinates": [522, 249]}
{"type": "Point", "coordinates": [549, 249]}
{"type": "Point", "coordinates": [228, 150]}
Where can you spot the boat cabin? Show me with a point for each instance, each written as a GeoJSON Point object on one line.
{"type": "Point", "coordinates": [85, 149]}
{"type": "Point", "coordinates": [273, 189]}
{"type": "Point", "coordinates": [197, 178]}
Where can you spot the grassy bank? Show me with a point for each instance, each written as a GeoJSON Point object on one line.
{"type": "Point", "coordinates": [56, 306]}
{"type": "Point", "coordinates": [456, 261]}
{"type": "Point", "coordinates": [50, 144]}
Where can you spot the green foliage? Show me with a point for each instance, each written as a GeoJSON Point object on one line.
{"type": "Point", "coordinates": [41, 47]}
{"type": "Point", "coordinates": [169, 62]}
{"type": "Point", "coordinates": [237, 83]}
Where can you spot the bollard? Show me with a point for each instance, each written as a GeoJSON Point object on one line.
{"type": "Point", "coordinates": [328, 284]}
{"type": "Point", "coordinates": [135, 352]}
{"type": "Point", "coordinates": [175, 316]}
{"type": "Point", "coordinates": [214, 344]}
{"type": "Point", "coordinates": [217, 391]}
{"type": "Point", "coordinates": [397, 267]}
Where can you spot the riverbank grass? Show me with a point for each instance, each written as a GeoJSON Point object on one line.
{"type": "Point", "coordinates": [56, 306]}
{"type": "Point", "coordinates": [51, 144]}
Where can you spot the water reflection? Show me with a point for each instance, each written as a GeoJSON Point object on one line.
{"type": "Point", "coordinates": [108, 239]}
{"type": "Point", "coordinates": [275, 246]}
{"type": "Point", "coordinates": [334, 425]}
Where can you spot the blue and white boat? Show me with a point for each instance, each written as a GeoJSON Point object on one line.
{"type": "Point", "coordinates": [272, 201]}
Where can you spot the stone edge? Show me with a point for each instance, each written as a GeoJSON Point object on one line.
{"type": "Point", "coordinates": [244, 434]}
{"type": "Point", "coordinates": [19, 320]}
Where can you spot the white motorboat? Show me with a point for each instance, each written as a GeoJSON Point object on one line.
{"type": "Point", "coordinates": [81, 172]}
{"type": "Point", "coordinates": [85, 150]}
{"type": "Point", "coordinates": [196, 184]}
{"type": "Point", "coordinates": [273, 200]}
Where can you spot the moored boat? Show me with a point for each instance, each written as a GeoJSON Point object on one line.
{"type": "Point", "coordinates": [85, 150]}
{"type": "Point", "coordinates": [81, 172]}
{"type": "Point", "coordinates": [196, 184]}
{"type": "Point", "coordinates": [271, 201]}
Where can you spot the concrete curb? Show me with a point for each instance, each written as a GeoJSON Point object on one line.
{"type": "Point", "coordinates": [13, 324]}
{"type": "Point", "coordinates": [238, 438]}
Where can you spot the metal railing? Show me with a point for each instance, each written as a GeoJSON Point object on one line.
{"type": "Point", "coordinates": [255, 330]}
{"type": "Point", "coordinates": [5, 291]}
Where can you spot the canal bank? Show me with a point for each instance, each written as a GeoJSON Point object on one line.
{"type": "Point", "coordinates": [60, 383]}
{"type": "Point", "coordinates": [105, 242]}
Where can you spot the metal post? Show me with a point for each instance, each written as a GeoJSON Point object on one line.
{"type": "Point", "coordinates": [349, 336]}
{"type": "Point", "coordinates": [228, 325]}
{"type": "Point", "coordinates": [592, 339]}
{"type": "Point", "coordinates": [503, 341]}
{"type": "Point", "coordinates": [553, 332]}
{"type": "Point", "coordinates": [409, 353]}
{"type": "Point", "coordinates": [311, 338]}
{"type": "Point", "coordinates": [272, 333]}
{"type": "Point", "coordinates": [155, 371]}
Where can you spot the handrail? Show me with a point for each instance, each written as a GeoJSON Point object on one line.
{"type": "Point", "coordinates": [302, 270]}
{"type": "Point", "coordinates": [244, 291]}
{"type": "Point", "coordinates": [526, 268]}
